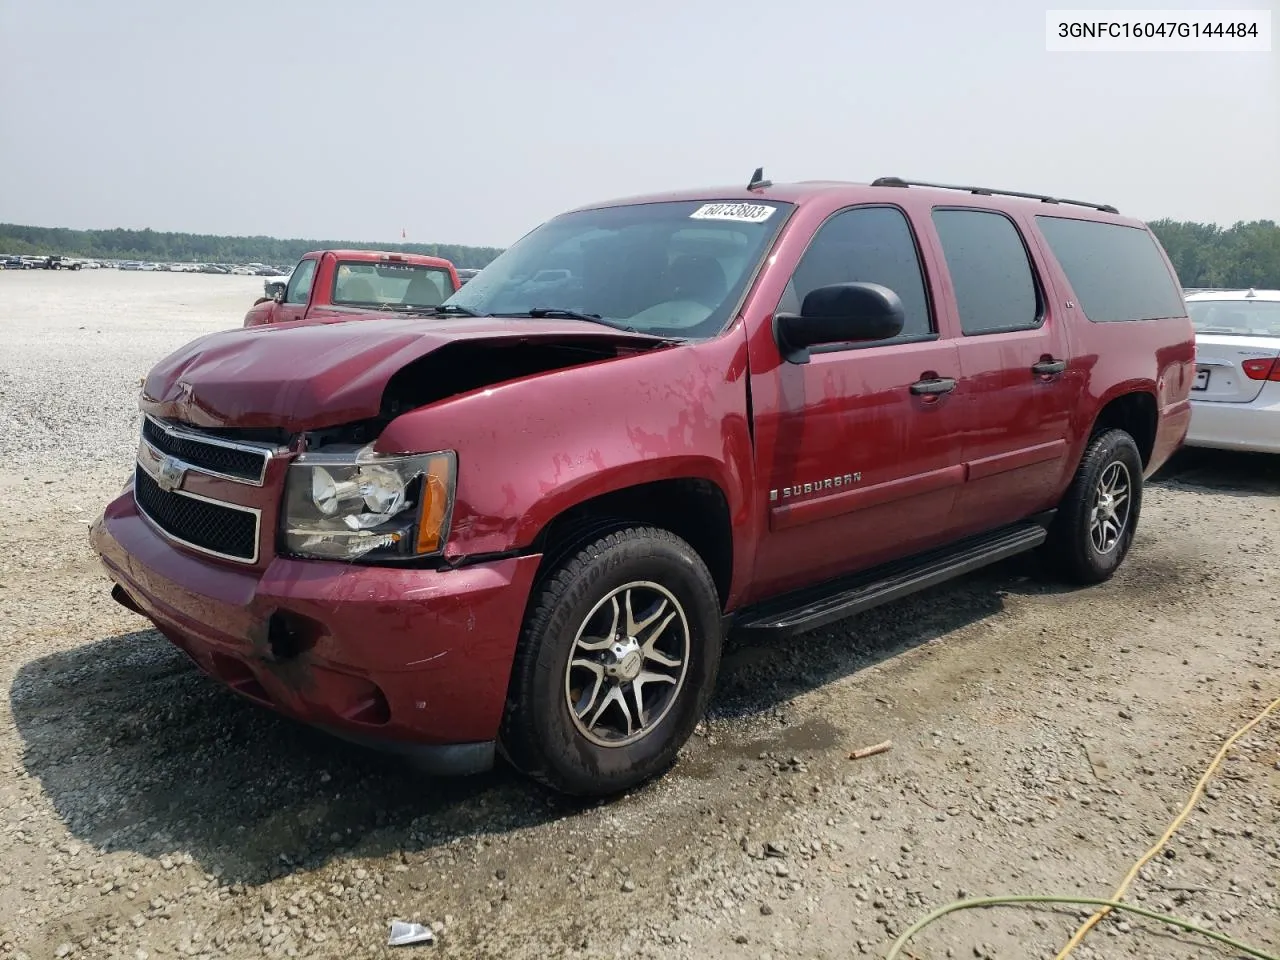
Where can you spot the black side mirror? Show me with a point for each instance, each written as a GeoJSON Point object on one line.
{"type": "Point", "coordinates": [275, 289]}
{"type": "Point", "coordinates": [838, 313]}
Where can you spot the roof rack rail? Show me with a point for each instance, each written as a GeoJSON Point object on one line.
{"type": "Point", "coordinates": [989, 191]}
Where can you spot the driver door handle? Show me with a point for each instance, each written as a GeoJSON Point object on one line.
{"type": "Point", "coordinates": [935, 386]}
{"type": "Point", "coordinates": [1048, 368]}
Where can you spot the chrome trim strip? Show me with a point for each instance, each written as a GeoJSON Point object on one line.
{"type": "Point", "coordinates": [252, 511]}
{"type": "Point", "coordinates": [264, 450]}
{"type": "Point", "coordinates": [190, 467]}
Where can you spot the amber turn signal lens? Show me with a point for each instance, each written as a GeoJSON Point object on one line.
{"type": "Point", "coordinates": [436, 484]}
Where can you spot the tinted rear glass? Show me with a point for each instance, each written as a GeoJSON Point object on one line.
{"type": "Point", "coordinates": [1117, 271]}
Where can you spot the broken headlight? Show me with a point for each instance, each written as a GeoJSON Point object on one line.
{"type": "Point", "coordinates": [364, 505]}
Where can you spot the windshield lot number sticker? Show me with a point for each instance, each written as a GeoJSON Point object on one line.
{"type": "Point", "coordinates": [742, 212]}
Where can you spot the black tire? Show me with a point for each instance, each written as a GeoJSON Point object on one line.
{"type": "Point", "coordinates": [1076, 550]}
{"type": "Point", "coordinates": [539, 735]}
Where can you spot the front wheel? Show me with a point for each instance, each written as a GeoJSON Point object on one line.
{"type": "Point", "coordinates": [1098, 517]}
{"type": "Point", "coordinates": [615, 664]}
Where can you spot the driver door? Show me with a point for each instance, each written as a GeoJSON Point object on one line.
{"type": "Point", "coordinates": [858, 451]}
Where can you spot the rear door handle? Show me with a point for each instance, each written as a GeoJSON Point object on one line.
{"type": "Point", "coordinates": [1046, 368]}
{"type": "Point", "coordinates": [936, 386]}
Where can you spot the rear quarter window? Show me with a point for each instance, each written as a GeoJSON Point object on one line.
{"type": "Point", "coordinates": [1116, 271]}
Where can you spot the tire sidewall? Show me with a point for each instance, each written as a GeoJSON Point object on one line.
{"type": "Point", "coordinates": [1116, 446]}
{"type": "Point", "coordinates": [588, 767]}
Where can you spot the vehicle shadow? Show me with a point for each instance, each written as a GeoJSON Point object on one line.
{"type": "Point", "coordinates": [138, 750]}
{"type": "Point", "coordinates": [757, 675]}
{"type": "Point", "coordinates": [1222, 471]}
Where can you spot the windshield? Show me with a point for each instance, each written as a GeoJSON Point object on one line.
{"type": "Point", "coordinates": [1247, 318]}
{"type": "Point", "coordinates": [672, 269]}
{"type": "Point", "coordinates": [402, 285]}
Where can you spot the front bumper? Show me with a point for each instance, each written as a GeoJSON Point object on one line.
{"type": "Point", "coordinates": [411, 661]}
{"type": "Point", "coordinates": [1253, 426]}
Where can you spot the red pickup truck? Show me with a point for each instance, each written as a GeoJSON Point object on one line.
{"type": "Point", "coordinates": [346, 282]}
{"type": "Point", "coordinates": [526, 524]}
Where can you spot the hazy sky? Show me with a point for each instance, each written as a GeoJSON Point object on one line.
{"type": "Point", "coordinates": [471, 122]}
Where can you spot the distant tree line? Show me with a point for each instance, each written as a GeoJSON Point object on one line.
{"type": "Point", "coordinates": [152, 245]}
{"type": "Point", "coordinates": [1204, 254]}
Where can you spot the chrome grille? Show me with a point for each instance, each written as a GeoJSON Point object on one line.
{"type": "Point", "coordinates": [220, 529]}
{"type": "Point", "coordinates": [215, 456]}
{"type": "Point", "coordinates": [167, 456]}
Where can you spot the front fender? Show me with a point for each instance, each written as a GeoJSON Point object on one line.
{"type": "Point", "coordinates": [531, 448]}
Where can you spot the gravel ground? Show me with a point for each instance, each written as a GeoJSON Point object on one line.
{"type": "Point", "coordinates": [77, 343]}
{"type": "Point", "coordinates": [1042, 739]}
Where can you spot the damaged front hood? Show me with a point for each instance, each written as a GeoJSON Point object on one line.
{"type": "Point", "coordinates": [318, 374]}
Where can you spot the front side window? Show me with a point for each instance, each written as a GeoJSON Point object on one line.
{"type": "Point", "coordinates": [299, 290]}
{"type": "Point", "coordinates": [359, 283]}
{"type": "Point", "coordinates": [674, 269]}
{"type": "Point", "coordinates": [865, 245]}
{"type": "Point", "coordinates": [990, 271]}
{"type": "Point", "coordinates": [1244, 318]}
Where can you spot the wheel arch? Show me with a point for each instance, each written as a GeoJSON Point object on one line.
{"type": "Point", "coordinates": [696, 509]}
{"type": "Point", "coordinates": [1133, 409]}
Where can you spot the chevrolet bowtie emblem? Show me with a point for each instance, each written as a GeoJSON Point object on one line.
{"type": "Point", "coordinates": [170, 473]}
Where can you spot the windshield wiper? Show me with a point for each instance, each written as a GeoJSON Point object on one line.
{"type": "Point", "coordinates": [544, 313]}
{"type": "Point", "coordinates": [452, 309]}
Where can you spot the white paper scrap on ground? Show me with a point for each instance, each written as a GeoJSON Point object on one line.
{"type": "Point", "coordinates": [403, 934]}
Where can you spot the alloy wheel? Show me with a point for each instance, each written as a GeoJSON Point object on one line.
{"type": "Point", "coordinates": [1109, 514]}
{"type": "Point", "coordinates": [628, 664]}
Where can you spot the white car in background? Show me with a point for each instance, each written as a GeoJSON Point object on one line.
{"type": "Point", "coordinates": [1236, 397]}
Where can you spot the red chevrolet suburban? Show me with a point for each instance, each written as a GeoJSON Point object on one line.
{"type": "Point", "coordinates": [329, 283]}
{"type": "Point", "coordinates": [525, 523]}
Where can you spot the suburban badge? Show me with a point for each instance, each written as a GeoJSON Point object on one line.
{"type": "Point", "coordinates": [818, 486]}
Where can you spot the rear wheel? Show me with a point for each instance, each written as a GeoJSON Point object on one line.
{"type": "Point", "coordinates": [1098, 517]}
{"type": "Point", "coordinates": [616, 662]}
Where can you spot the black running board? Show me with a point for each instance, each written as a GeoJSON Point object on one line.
{"type": "Point", "coordinates": [826, 603]}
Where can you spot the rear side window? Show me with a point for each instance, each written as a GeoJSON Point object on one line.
{"type": "Point", "coordinates": [1116, 271]}
{"type": "Point", "coordinates": [990, 270]}
{"type": "Point", "coordinates": [865, 245]}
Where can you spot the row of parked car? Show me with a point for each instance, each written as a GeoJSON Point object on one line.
{"type": "Point", "coordinates": [28, 262]}
{"type": "Point", "coordinates": [56, 262]}
{"type": "Point", "coordinates": [518, 518]}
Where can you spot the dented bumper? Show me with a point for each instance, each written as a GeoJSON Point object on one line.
{"type": "Point", "coordinates": [413, 661]}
